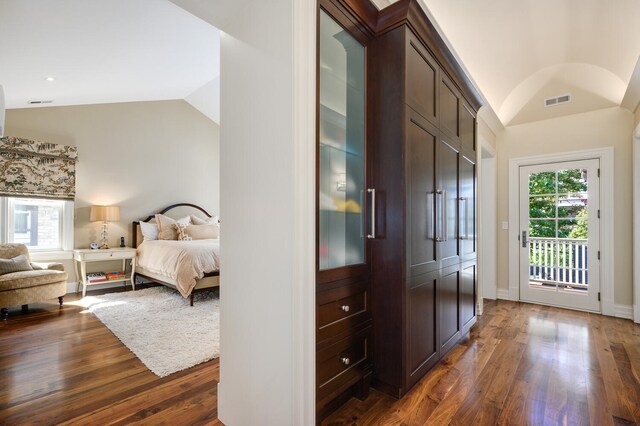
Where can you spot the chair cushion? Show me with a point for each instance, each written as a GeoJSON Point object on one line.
{"type": "Point", "coordinates": [16, 264]}
{"type": "Point", "coordinates": [26, 279]}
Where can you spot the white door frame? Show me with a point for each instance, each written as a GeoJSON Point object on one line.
{"type": "Point", "coordinates": [636, 224]}
{"type": "Point", "coordinates": [605, 155]}
{"type": "Point", "coordinates": [487, 235]}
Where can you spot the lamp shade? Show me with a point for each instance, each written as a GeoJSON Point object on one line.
{"type": "Point", "coordinates": [104, 214]}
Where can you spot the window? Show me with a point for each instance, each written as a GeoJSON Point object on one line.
{"type": "Point", "coordinates": [40, 224]}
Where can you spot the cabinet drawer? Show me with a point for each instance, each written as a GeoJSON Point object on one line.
{"type": "Point", "coordinates": [343, 363]}
{"type": "Point", "coordinates": [107, 255]}
{"type": "Point", "coordinates": [341, 308]}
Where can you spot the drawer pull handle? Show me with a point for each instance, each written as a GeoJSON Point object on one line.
{"type": "Point", "coordinates": [345, 308]}
{"type": "Point", "coordinates": [345, 360]}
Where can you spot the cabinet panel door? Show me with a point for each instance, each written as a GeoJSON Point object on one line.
{"type": "Point", "coordinates": [467, 207]}
{"type": "Point", "coordinates": [448, 309]}
{"type": "Point", "coordinates": [421, 192]}
{"type": "Point", "coordinates": [449, 107]}
{"type": "Point", "coordinates": [423, 347]}
{"type": "Point", "coordinates": [467, 128]}
{"type": "Point", "coordinates": [468, 293]}
{"type": "Point", "coordinates": [422, 79]}
{"type": "Point", "coordinates": [447, 223]}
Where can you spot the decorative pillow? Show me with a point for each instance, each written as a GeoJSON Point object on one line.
{"type": "Point", "coordinates": [16, 264]}
{"type": "Point", "coordinates": [166, 226]}
{"type": "Point", "coordinates": [202, 232]}
{"type": "Point", "coordinates": [149, 230]}
{"type": "Point", "coordinates": [196, 220]}
{"type": "Point", "coordinates": [182, 235]}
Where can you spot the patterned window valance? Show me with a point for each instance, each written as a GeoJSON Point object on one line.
{"type": "Point", "coordinates": [37, 169]}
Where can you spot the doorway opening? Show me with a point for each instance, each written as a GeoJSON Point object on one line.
{"type": "Point", "coordinates": [488, 223]}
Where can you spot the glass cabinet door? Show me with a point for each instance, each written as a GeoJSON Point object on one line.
{"type": "Point", "coordinates": [341, 147]}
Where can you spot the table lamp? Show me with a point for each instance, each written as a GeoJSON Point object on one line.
{"type": "Point", "coordinates": [104, 214]}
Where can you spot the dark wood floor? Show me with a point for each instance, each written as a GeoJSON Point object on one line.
{"type": "Point", "coordinates": [63, 366]}
{"type": "Point", "coordinates": [522, 365]}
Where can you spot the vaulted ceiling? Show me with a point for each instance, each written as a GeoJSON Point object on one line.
{"type": "Point", "coordinates": [522, 52]}
{"type": "Point", "coordinates": [102, 51]}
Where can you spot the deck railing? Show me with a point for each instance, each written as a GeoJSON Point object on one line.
{"type": "Point", "coordinates": [559, 261]}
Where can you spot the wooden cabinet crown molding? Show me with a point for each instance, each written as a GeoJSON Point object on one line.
{"type": "Point", "coordinates": [363, 14]}
{"type": "Point", "coordinates": [410, 12]}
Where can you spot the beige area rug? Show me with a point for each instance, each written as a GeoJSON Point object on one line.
{"type": "Point", "coordinates": [160, 328]}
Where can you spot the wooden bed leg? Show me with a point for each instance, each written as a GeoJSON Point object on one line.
{"type": "Point", "coordinates": [25, 309]}
{"type": "Point", "coordinates": [191, 298]}
{"type": "Point", "coordinates": [61, 300]}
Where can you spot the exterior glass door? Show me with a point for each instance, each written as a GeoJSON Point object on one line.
{"type": "Point", "coordinates": [559, 234]}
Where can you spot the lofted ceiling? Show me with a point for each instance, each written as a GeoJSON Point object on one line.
{"type": "Point", "coordinates": [522, 52]}
{"type": "Point", "coordinates": [103, 51]}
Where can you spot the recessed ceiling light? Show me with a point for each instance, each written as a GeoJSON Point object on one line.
{"type": "Point", "coordinates": [50, 79]}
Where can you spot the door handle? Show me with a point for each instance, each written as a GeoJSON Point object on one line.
{"type": "Point", "coordinates": [464, 218]}
{"type": "Point", "coordinates": [431, 216]}
{"type": "Point", "coordinates": [442, 235]}
{"type": "Point", "coordinates": [524, 239]}
{"type": "Point", "coordinates": [445, 233]}
{"type": "Point", "coordinates": [372, 191]}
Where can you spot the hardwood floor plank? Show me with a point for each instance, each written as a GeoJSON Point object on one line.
{"type": "Point", "coordinates": [62, 366]}
{"type": "Point", "coordinates": [610, 374]}
{"type": "Point", "coordinates": [522, 365]}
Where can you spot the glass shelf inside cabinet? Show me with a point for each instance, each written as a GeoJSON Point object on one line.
{"type": "Point", "coordinates": [341, 147]}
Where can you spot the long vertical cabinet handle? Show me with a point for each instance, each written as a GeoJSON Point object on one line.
{"type": "Point", "coordinates": [443, 218]}
{"type": "Point", "coordinates": [361, 213]}
{"type": "Point", "coordinates": [431, 217]}
{"type": "Point", "coordinates": [464, 218]}
{"type": "Point", "coordinates": [441, 233]}
{"type": "Point", "coordinates": [372, 191]}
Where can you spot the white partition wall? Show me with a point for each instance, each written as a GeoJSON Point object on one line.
{"type": "Point", "coordinates": [267, 182]}
{"type": "Point", "coordinates": [636, 224]}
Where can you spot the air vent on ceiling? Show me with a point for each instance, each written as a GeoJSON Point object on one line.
{"type": "Point", "coordinates": [557, 100]}
{"type": "Point", "coordinates": [39, 102]}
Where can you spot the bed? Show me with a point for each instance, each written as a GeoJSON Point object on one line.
{"type": "Point", "coordinates": [185, 266]}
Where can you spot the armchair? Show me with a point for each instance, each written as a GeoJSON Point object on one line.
{"type": "Point", "coordinates": [43, 282]}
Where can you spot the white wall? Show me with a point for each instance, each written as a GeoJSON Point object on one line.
{"type": "Point", "coordinates": [141, 156]}
{"type": "Point", "coordinates": [602, 128]}
{"type": "Point", "coordinates": [263, 235]}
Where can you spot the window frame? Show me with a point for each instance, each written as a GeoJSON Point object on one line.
{"type": "Point", "coordinates": [66, 230]}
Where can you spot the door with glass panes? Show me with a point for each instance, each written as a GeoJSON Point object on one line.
{"type": "Point", "coordinates": [560, 234]}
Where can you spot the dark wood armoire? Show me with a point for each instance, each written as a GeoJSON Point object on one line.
{"type": "Point", "coordinates": [396, 281]}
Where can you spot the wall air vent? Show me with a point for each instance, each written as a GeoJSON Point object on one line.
{"type": "Point", "coordinates": [39, 102]}
{"type": "Point", "coordinates": [557, 100]}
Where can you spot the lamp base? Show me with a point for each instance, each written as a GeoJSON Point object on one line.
{"type": "Point", "coordinates": [104, 243]}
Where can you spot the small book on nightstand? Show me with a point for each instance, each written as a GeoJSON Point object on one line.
{"type": "Point", "coordinates": [116, 275]}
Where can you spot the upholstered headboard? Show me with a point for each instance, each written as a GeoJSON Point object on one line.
{"type": "Point", "coordinates": [174, 211]}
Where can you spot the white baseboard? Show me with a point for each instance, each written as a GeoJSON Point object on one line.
{"type": "Point", "coordinates": [71, 287]}
{"type": "Point", "coordinates": [503, 294]}
{"type": "Point", "coordinates": [623, 311]}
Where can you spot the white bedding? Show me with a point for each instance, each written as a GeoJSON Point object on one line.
{"type": "Point", "coordinates": [183, 261]}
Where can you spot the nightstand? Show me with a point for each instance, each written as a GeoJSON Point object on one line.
{"type": "Point", "coordinates": [84, 256]}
